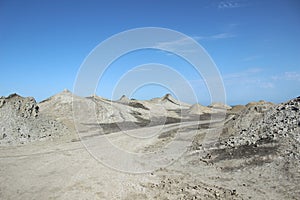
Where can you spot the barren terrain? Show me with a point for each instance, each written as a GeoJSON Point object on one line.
{"type": "Point", "coordinates": [156, 149]}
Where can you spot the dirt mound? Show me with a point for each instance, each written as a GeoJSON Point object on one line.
{"type": "Point", "coordinates": [124, 99]}
{"type": "Point", "coordinates": [169, 102]}
{"type": "Point", "coordinates": [261, 141]}
{"type": "Point", "coordinates": [277, 124]}
{"type": "Point", "coordinates": [59, 107]}
{"type": "Point", "coordinates": [22, 107]}
{"type": "Point", "coordinates": [222, 106]}
{"type": "Point", "coordinates": [198, 109]}
{"type": "Point", "coordinates": [20, 121]}
{"type": "Point", "coordinates": [237, 109]}
{"type": "Point", "coordinates": [245, 116]}
{"type": "Point", "coordinates": [168, 98]}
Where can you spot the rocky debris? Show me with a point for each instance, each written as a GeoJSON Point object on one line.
{"type": "Point", "coordinates": [260, 106]}
{"type": "Point", "coordinates": [177, 187]}
{"type": "Point", "coordinates": [20, 121]}
{"type": "Point", "coordinates": [244, 116]}
{"type": "Point", "coordinates": [23, 107]}
{"type": "Point", "coordinates": [276, 124]}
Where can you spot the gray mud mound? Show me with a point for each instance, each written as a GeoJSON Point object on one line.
{"type": "Point", "coordinates": [260, 144]}
{"type": "Point", "coordinates": [279, 123]}
{"type": "Point", "coordinates": [221, 106]}
{"type": "Point", "coordinates": [199, 109]}
{"type": "Point", "coordinates": [20, 121]}
{"type": "Point", "coordinates": [244, 116]}
{"type": "Point", "coordinates": [268, 142]}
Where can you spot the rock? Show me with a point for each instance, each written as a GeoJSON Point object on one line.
{"type": "Point", "coordinates": [21, 122]}
{"type": "Point", "coordinates": [265, 122]}
{"type": "Point", "coordinates": [260, 106]}
{"type": "Point", "coordinates": [246, 116]}
{"type": "Point", "coordinates": [23, 107]}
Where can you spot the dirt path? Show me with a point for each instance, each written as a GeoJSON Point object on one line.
{"type": "Point", "coordinates": [65, 170]}
{"type": "Point", "coordinates": [62, 169]}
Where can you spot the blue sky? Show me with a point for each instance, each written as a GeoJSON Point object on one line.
{"type": "Point", "coordinates": [255, 44]}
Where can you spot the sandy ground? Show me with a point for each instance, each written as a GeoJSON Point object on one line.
{"type": "Point", "coordinates": [65, 169]}
{"type": "Point", "coordinates": [59, 170]}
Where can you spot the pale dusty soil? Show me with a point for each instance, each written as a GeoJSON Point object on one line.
{"type": "Point", "coordinates": [64, 169]}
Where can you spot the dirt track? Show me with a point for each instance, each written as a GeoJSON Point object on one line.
{"type": "Point", "coordinates": [64, 169]}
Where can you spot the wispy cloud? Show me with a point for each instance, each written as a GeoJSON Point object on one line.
{"type": "Point", "coordinates": [229, 4]}
{"type": "Point", "coordinates": [139, 69]}
{"type": "Point", "coordinates": [186, 45]}
{"type": "Point", "coordinates": [175, 45]}
{"type": "Point", "coordinates": [215, 36]}
{"type": "Point", "coordinates": [253, 77]}
{"type": "Point", "coordinates": [266, 85]}
{"type": "Point", "coordinates": [254, 70]}
{"type": "Point", "coordinates": [186, 41]}
{"type": "Point", "coordinates": [292, 76]}
{"type": "Point", "coordinates": [245, 73]}
{"type": "Point", "coordinates": [287, 76]}
{"type": "Point", "coordinates": [251, 58]}
{"type": "Point", "coordinates": [250, 78]}
{"type": "Point", "coordinates": [259, 82]}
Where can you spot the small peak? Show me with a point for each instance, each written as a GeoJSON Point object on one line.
{"type": "Point", "coordinates": [66, 91]}
{"type": "Point", "coordinates": [220, 105]}
{"type": "Point", "coordinates": [167, 96]}
{"type": "Point", "coordinates": [123, 96]}
{"type": "Point", "coordinates": [124, 99]}
{"type": "Point", "coordinates": [197, 105]}
{"type": "Point", "coordinates": [13, 95]}
{"type": "Point", "coordinates": [94, 95]}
